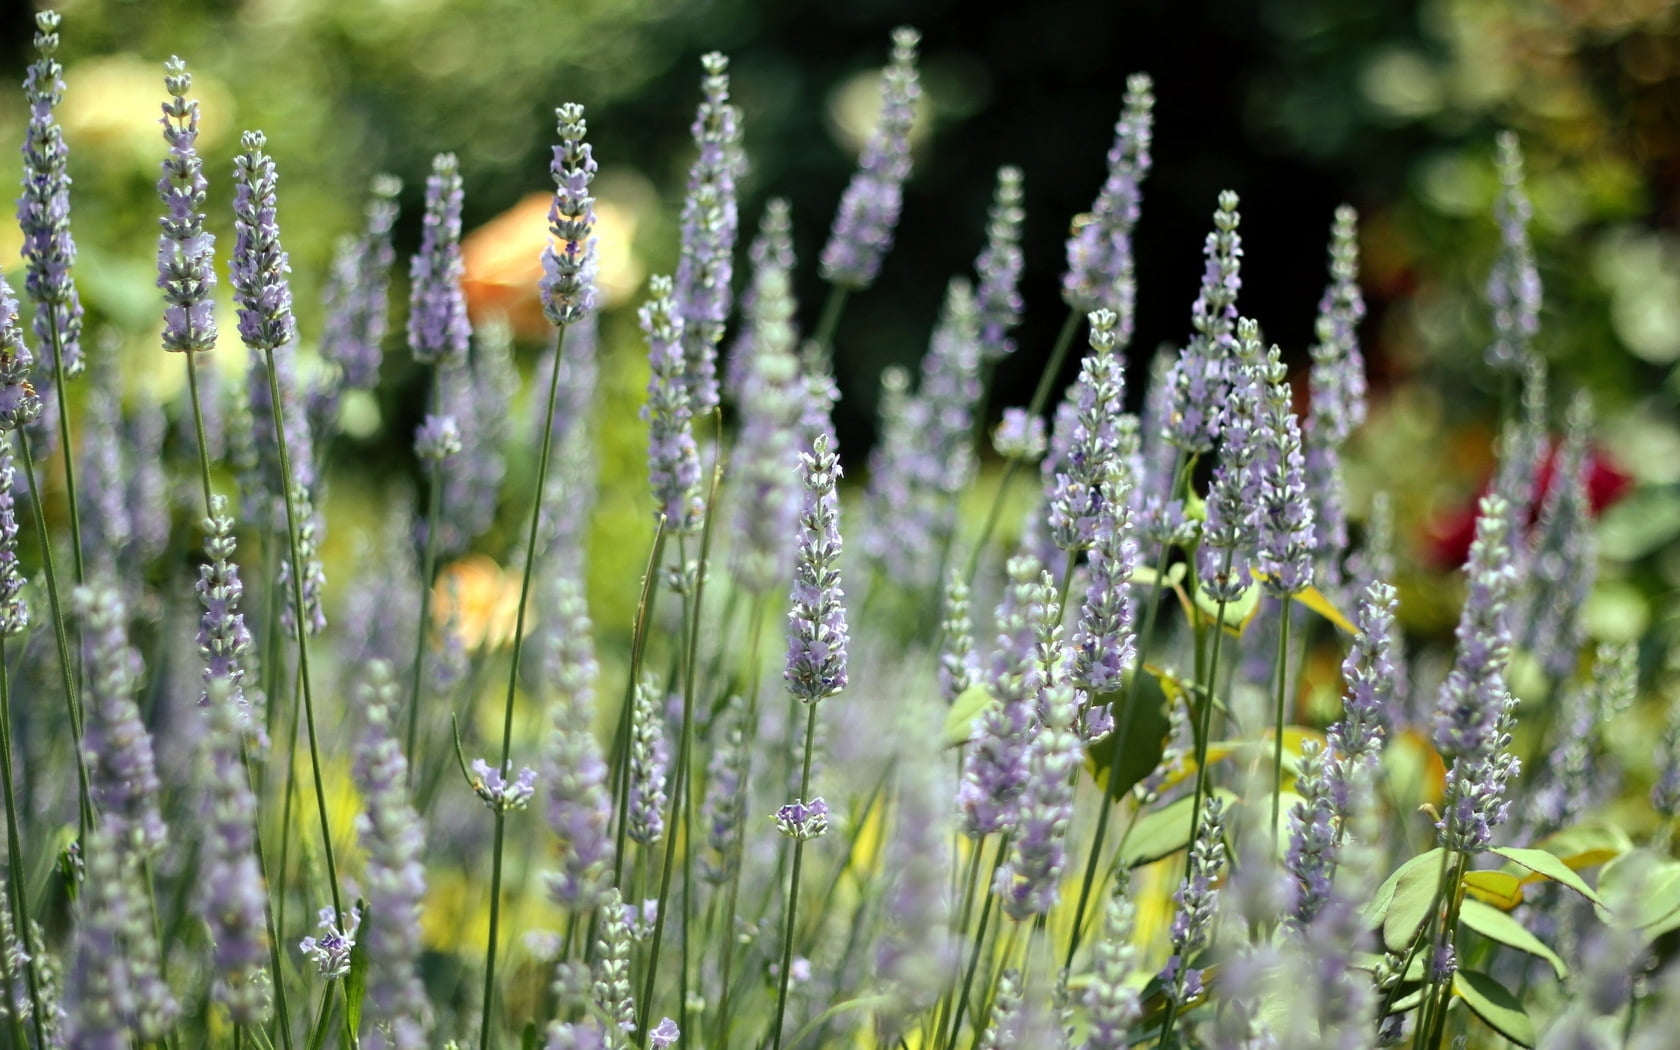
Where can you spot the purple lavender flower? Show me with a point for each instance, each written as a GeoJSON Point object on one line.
{"type": "Point", "coordinates": [1312, 855]}
{"type": "Point", "coordinates": [995, 771]}
{"type": "Point", "coordinates": [1513, 288]}
{"type": "Point", "coordinates": [664, 1035]}
{"type": "Point", "coordinates": [1100, 268]}
{"type": "Point", "coordinates": [1564, 556]}
{"type": "Point", "coordinates": [14, 610]}
{"type": "Point", "coordinates": [472, 481]}
{"type": "Point", "coordinates": [612, 969]}
{"type": "Point", "coordinates": [357, 307]}
{"type": "Point", "coordinates": [186, 253]}
{"type": "Point", "coordinates": [710, 224]}
{"type": "Point", "coordinates": [1030, 880]}
{"type": "Point", "coordinates": [802, 820]}
{"type": "Point", "coordinates": [260, 265]}
{"type": "Point", "coordinates": [44, 209]}
{"type": "Point", "coordinates": [917, 950]}
{"type": "Point", "coordinates": [673, 458]}
{"type": "Point", "coordinates": [863, 226]}
{"type": "Point", "coordinates": [1112, 1003]}
{"type": "Point", "coordinates": [1104, 643]}
{"type": "Point", "coordinates": [1474, 711]}
{"type": "Point", "coordinates": [106, 523]}
{"type": "Point", "coordinates": [771, 399]}
{"type": "Point", "coordinates": [650, 759]}
{"type": "Point", "coordinates": [1230, 533]}
{"type": "Point", "coordinates": [436, 439]}
{"type": "Point", "coordinates": [398, 1015]}
{"type": "Point", "coordinates": [19, 403]}
{"type": "Point", "coordinates": [1073, 479]}
{"type": "Point", "coordinates": [119, 753]}
{"type": "Point", "coordinates": [1004, 1030]}
{"type": "Point", "coordinates": [116, 994]}
{"type": "Point", "coordinates": [816, 657]}
{"type": "Point", "coordinates": [1368, 713]}
{"type": "Point", "coordinates": [330, 952]}
{"type": "Point", "coordinates": [497, 792]}
{"type": "Point", "coordinates": [223, 638]}
{"type": "Point", "coordinates": [770, 251]}
{"type": "Point", "coordinates": [1522, 449]}
{"type": "Point", "coordinates": [147, 483]}
{"type": "Point", "coordinates": [999, 267]}
{"type": "Point", "coordinates": [958, 667]}
{"type": "Point", "coordinates": [234, 899]}
{"type": "Point", "coordinates": [723, 808]}
{"type": "Point", "coordinates": [1200, 379]}
{"type": "Point", "coordinates": [575, 775]}
{"type": "Point", "coordinates": [1284, 546]}
{"type": "Point", "coordinates": [1192, 926]}
{"type": "Point", "coordinates": [568, 287]}
{"type": "Point", "coordinates": [1020, 436]}
{"type": "Point", "coordinates": [438, 329]}
{"type": "Point", "coordinates": [1338, 392]}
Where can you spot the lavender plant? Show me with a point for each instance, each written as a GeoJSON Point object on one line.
{"type": "Point", "coordinates": [723, 855]}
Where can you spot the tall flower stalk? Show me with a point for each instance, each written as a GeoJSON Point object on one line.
{"type": "Point", "coordinates": [48, 249]}
{"type": "Point", "coordinates": [258, 272]}
{"type": "Point", "coordinates": [568, 295]}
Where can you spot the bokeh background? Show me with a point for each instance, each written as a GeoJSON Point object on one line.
{"type": "Point", "coordinates": [1296, 104]}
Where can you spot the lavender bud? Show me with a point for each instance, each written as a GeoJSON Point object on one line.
{"type": "Point", "coordinates": [234, 900]}
{"type": "Point", "coordinates": [995, 771]}
{"type": "Point", "coordinates": [438, 329]}
{"type": "Point", "coordinates": [673, 458]}
{"type": "Point", "coordinates": [43, 212]}
{"type": "Point", "coordinates": [999, 268]}
{"type": "Point", "coordinates": [1513, 288]}
{"type": "Point", "coordinates": [1230, 533]}
{"type": "Point", "coordinates": [1029, 881]}
{"type": "Point", "coordinates": [398, 1015]}
{"type": "Point", "coordinates": [863, 226]}
{"type": "Point", "coordinates": [1074, 481]}
{"type": "Point", "coordinates": [186, 253]}
{"type": "Point", "coordinates": [802, 820]}
{"type": "Point", "coordinates": [19, 403]}
{"type": "Point", "coordinates": [1368, 705]}
{"type": "Point", "coordinates": [437, 439]}
{"type": "Point", "coordinates": [1200, 379]}
{"type": "Point", "coordinates": [710, 224]}
{"type": "Point", "coordinates": [14, 610]}
{"type": "Point", "coordinates": [649, 761]}
{"type": "Point", "coordinates": [958, 666]}
{"type": "Point", "coordinates": [1312, 855]}
{"type": "Point", "coordinates": [260, 265]}
{"type": "Point", "coordinates": [1104, 643]}
{"type": "Point", "coordinates": [223, 639]}
{"type": "Point", "coordinates": [1470, 699]}
{"type": "Point", "coordinates": [1285, 540]}
{"type": "Point", "coordinates": [816, 657]}
{"type": "Point", "coordinates": [612, 970]}
{"type": "Point", "coordinates": [1192, 926]}
{"type": "Point", "coordinates": [568, 290]}
{"type": "Point", "coordinates": [1112, 1003]}
{"type": "Point", "coordinates": [1665, 792]}
{"type": "Point", "coordinates": [1019, 435]}
{"type": "Point", "coordinates": [771, 253]}
{"type": "Point", "coordinates": [497, 792]}
{"type": "Point", "coordinates": [771, 398]}
{"type": "Point", "coordinates": [330, 952]}
{"type": "Point", "coordinates": [1100, 266]}
{"type": "Point", "coordinates": [119, 752]}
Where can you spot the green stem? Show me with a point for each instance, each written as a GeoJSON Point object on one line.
{"type": "Point", "coordinates": [979, 942]}
{"type": "Point", "coordinates": [1282, 696]}
{"type": "Point", "coordinates": [14, 853]}
{"type": "Point", "coordinates": [72, 697]}
{"type": "Point", "coordinates": [301, 633]}
{"type": "Point", "coordinates": [198, 428]}
{"type": "Point", "coordinates": [829, 322]}
{"type": "Point", "coordinates": [513, 685]}
{"type": "Point", "coordinates": [735, 862]}
{"type": "Point", "coordinates": [65, 444]}
{"type": "Point", "coordinates": [428, 568]}
{"type": "Point", "coordinates": [793, 881]}
{"type": "Point", "coordinates": [621, 738]}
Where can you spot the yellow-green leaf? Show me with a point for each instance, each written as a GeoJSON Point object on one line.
{"type": "Point", "coordinates": [1501, 889]}
{"type": "Point", "coordinates": [959, 720]}
{"type": "Point", "coordinates": [1495, 925]}
{"type": "Point", "coordinates": [1494, 1004]}
{"type": "Point", "coordinates": [1377, 910]}
{"type": "Point", "coordinates": [1315, 600]}
{"type": "Point", "coordinates": [1237, 613]}
{"type": "Point", "coordinates": [1162, 832]}
{"type": "Point", "coordinates": [1545, 865]}
{"type": "Point", "coordinates": [1586, 845]}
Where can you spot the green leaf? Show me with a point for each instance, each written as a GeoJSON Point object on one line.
{"type": "Point", "coordinates": [1544, 864]}
{"type": "Point", "coordinates": [1642, 892]}
{"type": "Point", "coordinates": [1163, 832]}
{"type": "Point", "coordinates": [530, 1038]}
{"type": "Point", "coordinates": [1140, 737]}
{"type": "Point", "coordinates": [959, 720]}
{"type": "Point", "coordinates": [1586, 845]}
{"type": "Point", "coordinates": [1377, 910]}
{"type": "Point", "coordinates": [1414, 895]}
{"type": "Point", "coordinates": [1495, 925]}
{"type": "Point", "coordinates": [355, 982]}
{"type": "Point", "coordinates": [1237, 612]}
{"type": "Point", "coordinates": [1494, 1004]}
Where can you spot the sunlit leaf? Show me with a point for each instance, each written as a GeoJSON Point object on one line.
{"type": "Point", "coordinates": [1414, 898]}
{"type": "Point", "coordinates": [1547, 866]}
{"type": "Point", "coordinates": [1377, 910]}
{"type": "Point", "coordinates": [1586, 845]}
{"type": "Point", "coordinates": [1163, 832]}
{"type": "Point", "coordinates": [1494, 1004]}
{"type": "Point", "coordinates": [1495, 925]}
{"type": "Point", "coordinates": [1236, 613]}
{"type": "Point", "coordinates": [959, 720]}
{"type": "Point", "coordinates": [1134, 749]}
{"type": "Point", "coordinates": [1641, 889]}
{"type": "Point", "coordinates": [1501, 889]}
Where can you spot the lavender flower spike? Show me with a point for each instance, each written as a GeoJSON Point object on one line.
{"type": "Point", "coordinates": [1100, 267]}
{"type": "Point", "coordinates": [999, 268]}
{"type": "Point", "coordinates": [14, 610]}
{"type": "Point", "coordinates": [650, 759]}
{"type": "Point", "coordinates": [1113, 1004]}
{"type": "Point", "coordinates": [1368, 706]}
{"type": "Point", "coordinates": [1073, 481]}
{"type": "Point", "coordinates": [568, 291]}
{"type": "Point", "coordinates": [1104, 643]}
{"type": "Point", "coordinates": [234, 898]}
{"type": "Point", "coordinates": [816, 659]}
{"type": "Point", "coordinates": [1230, 533]}
{"type": "Point", "coordinates": [863, 227]}
{"type": "Point", "coordinates": [260, 266]}
{"type": "Point", "coordinates": [358, 290]}
{"type": "Point", "coordinates": [710, 224]}
{"type": "Point", "coordinates": [1285, 515]}
{"type": "Point", "coordinates": [1338, 391]}
{"type": "Point", "coordinates": [223, 638]}
{"type": "Point", "coordinates": [398, 1015]}
{"type": "Point", "coordinates": [120, 760]}
{"type": "Point", "coordinates": [673, 459]}
{"type": "Point", "coordinates": [438, 330]}
{"type": "Point", "coordinates": [1513, 288]}
{"type": "Point", "coordinates": [1030, 880]}
{"type": "Point", "coordinates": [44, 209]}
{"type": "Point", "coordinates": [1200, 378]}
{"type": "Point", "coordinates": [1192, 926]}
{"type": "Point", "coordinates": [19, 403]}
{"type": "Point", "coordinates": [186, 253]}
